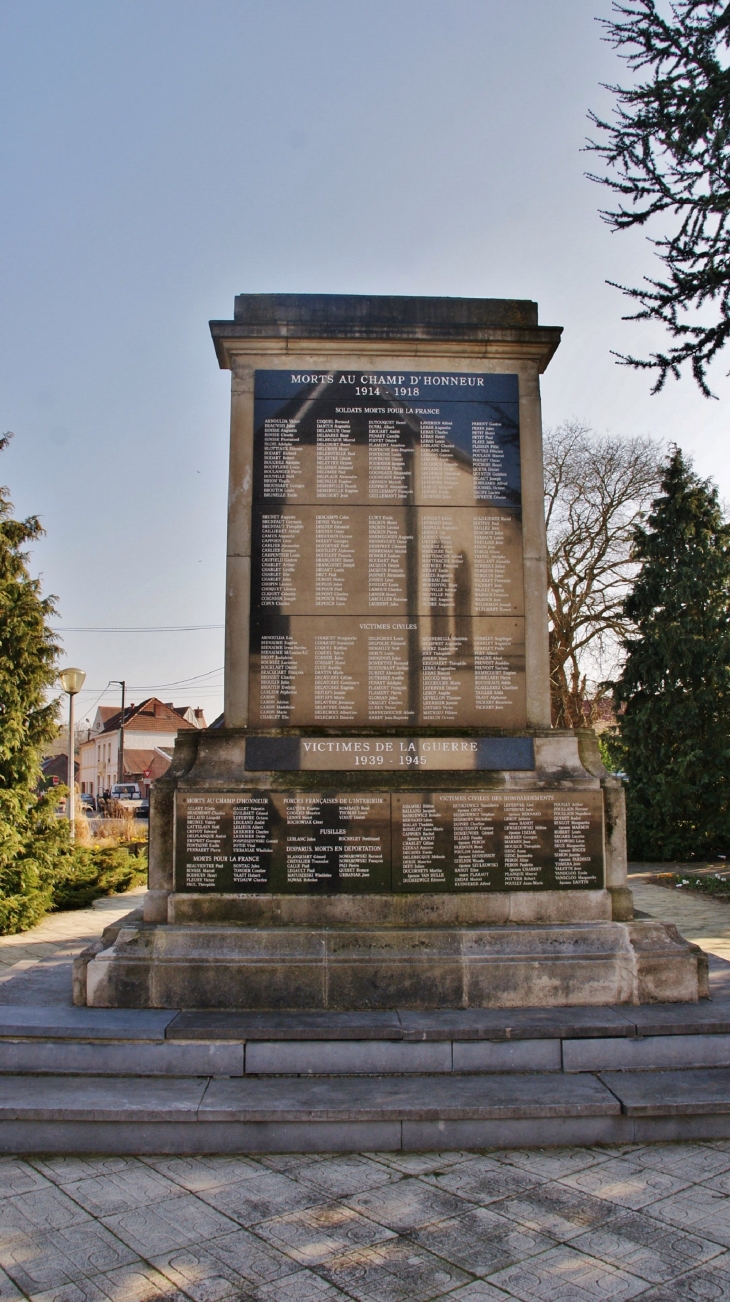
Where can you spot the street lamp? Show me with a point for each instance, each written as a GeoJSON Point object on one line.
{"type": "Point", "coordinates": [72, 680]}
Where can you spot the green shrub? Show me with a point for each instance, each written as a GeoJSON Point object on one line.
{"type": "Point", "coordinates": [34, 850]}
{"type": "Point", "coordinates": [88, 874]}
{"type": "Point", "coordinates": [613, 751]}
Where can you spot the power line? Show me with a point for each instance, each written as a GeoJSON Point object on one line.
{"type": "Point", "coordinates": [138, 628]}
{"type": "Point", "coordinates": [96, 702]}
{"type": "Point", "coordinates": [154, 687]}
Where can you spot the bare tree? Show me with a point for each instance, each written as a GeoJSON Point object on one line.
{"type": "Point", "coordinates": [597, 487]}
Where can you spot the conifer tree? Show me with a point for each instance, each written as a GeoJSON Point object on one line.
{"type": "Point", "coordinates": [667, 150]}
{"type": "Point", "coordinates": [32, 841]}
{"type": "Point", "coordinates": [675, 684]}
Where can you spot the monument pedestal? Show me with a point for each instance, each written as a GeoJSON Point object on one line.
{"type": "Point", "coordinates": [351, 968]}
{"type": "Point", "coordinates": [420, 949]}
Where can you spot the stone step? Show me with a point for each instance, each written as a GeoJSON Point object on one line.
{"type": "Point", "coordinates": [158, 1042]}
{"type": "Point", "coordinates": [64, 1114]}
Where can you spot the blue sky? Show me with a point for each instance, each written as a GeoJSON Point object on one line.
{"type": "Point", "coordinates": [160, 156]}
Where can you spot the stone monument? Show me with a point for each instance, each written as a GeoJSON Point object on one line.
{"type": "Point", "coordinates": [386, 818]}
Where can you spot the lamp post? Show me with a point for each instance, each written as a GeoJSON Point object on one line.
{"type": "Point", "coordinates": [72, 681]}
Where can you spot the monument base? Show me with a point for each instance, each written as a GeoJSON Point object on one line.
{"type": "Point", "coordinates": [334, 948]}
{"type": "Point", "coordinates": [270, 967]}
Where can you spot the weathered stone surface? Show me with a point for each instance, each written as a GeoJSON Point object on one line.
{"type": "Point", "coordinates": [407, 1205]}
{"type": "Point", "coordinates": [457, 1024]}
{"type": "Point", "coordinates": [482, 1242]}
{"type": "Point", "coordinates": [59, 1258]}
{"type": "Point", "coordinates": [176, 1137]}
{"type": "Point", "coordinates": [657, 946]}
{"type": "Point", "coordinates": [625, 1183]}
{"type": "Point", "coordinates": [520, 1055]}
{"type": "Point", "coordinates": [552, 1209]}
{"type": "Point", "coordinates": [379, 316]}
{"type": "Point", "coordinates": [712, 1018]}
{"type": "Point", "coordinates": [564, 1272]}
{"type": "Point", "coordinates": [634, 1242]}
{"type": "Point", "coordinates": [656, 1052]}
{"type": "Point", "coordinates": [238, 1260]}
{"type": "Point", "coordinates": [135, 1058]}
{"type": "Point", "coordinates": [418, 910]}
{"type": "Point", "coordinates": [483, 1180]}
{"type": "Point", "coordinates": [287, 967]}
{"type": "Point", "coordinates": [58, 1023]}
{"type": "Point", "coordinates": [395, 1269]}
{"type": "Point", "coordinates": [89, 1098]}
{"type": "Point", "coordinates": [173, 1223]}
{"type": "Point", "coordinates": [314, 1235]}
{"type": "Point", "coordinates": [667, 1093]}
{"type": "Point", "coordinates": [430, 1098]}
{"type": "Point", "coordinates": [515, 1024]}
{"type": "Point", "coordinates": [230, 1024]}
{"type": "Point", "coordinates": [622, 903]}
{"type": "Point", "coordinates": [345, 1057]}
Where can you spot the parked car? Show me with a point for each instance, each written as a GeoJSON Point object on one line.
{"type": "Point", "coordinates": [128, 795]}
{"type": "Point", "coordinates": [87, 804]}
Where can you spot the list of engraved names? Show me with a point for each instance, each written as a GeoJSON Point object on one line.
{"type": "Point", "coordinates": [378, 841]}
{"type": "Point", "coordinates": [386, 550]}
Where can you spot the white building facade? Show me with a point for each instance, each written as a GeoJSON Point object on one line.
{"type": "Point", "coordinates": [150, 730]}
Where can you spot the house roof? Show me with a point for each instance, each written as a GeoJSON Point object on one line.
{"type": "Point", "coordinates": [137, 762]}
{"type": "Point", "coordinates": [56, 766]}
{"type": "Point", "coordinates": [151, 715]}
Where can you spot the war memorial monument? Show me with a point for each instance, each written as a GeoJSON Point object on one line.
{"type": "Point", "coordinates": [387, 818]}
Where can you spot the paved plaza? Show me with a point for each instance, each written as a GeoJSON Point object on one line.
{"type": "Point", "coordinates": [700, 918]}
{"type": "Point", "coordinates": [559, 1225]}
{"type": "Point", "coordinates": [550, 1225]}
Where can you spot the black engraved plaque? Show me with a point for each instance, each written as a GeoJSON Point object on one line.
{"type": "Point", "coordinates": [301, 842]}
{"type": "Point", "coordinates": [399, 754]}
{"type": "Point", "coordinates": [492, 841]}
{"type": "Point", "coordinates": [440, 563]}
{"type": "Point", "coordinates": [387, 579]}
{"type": "Point", "coordinates": [331, 841]}
{"type": "Point", "coordinates": [285, 842]}
{"type": "Point", "coordinates": [224, 842]}
{"type": "Point", "coordinates": [349, 670]}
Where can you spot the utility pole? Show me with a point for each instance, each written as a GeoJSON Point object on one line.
{"type": "Point", "coordinates": [120, 682]}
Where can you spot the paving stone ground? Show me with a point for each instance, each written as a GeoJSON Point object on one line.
{"type": "Point", "coordinates": [35, 965]}
{"type": "Point", "coordinates": [699, 918]}
{"type": "Point", "coordinates": [551, 1225]}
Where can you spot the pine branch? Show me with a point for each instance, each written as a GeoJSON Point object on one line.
{"type": "Point", "coordinates": [667, 151]}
